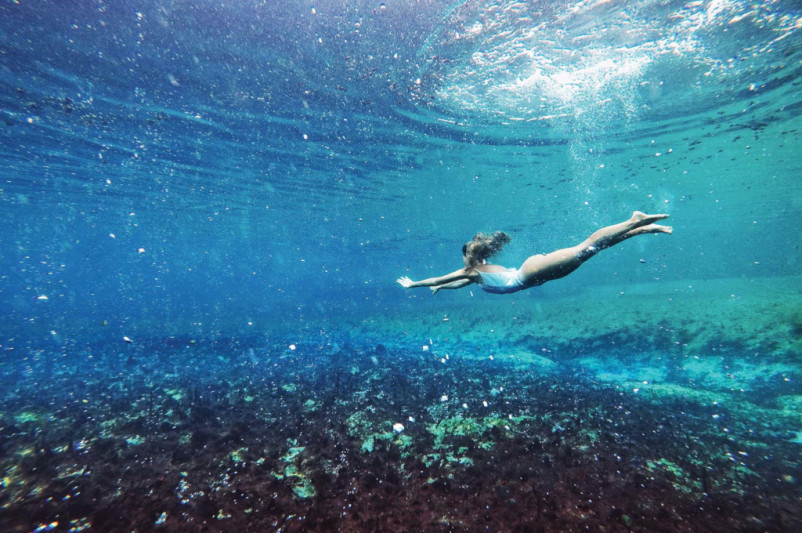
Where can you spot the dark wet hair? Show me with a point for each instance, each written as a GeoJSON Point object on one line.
{"type": "Point", "coordinates": [483, 247]}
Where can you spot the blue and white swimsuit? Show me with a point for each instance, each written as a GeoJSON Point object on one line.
{"type": "Point", "coordinates": [504, 282]}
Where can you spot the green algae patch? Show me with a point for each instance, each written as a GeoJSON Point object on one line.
{"type": "Point", "coordinates": [292, 453]}
{"type": "Point", "coordinates": [294, 473]}
{"type": "Point", "coordinates": [301, 485]}
{"type": "Point", "coordinates": [460, 426]}
{"type": "Point", "coordinates": [360, 426]}
{"type": "Point", "coordinates": [135, 440]}
{"type": "Point", "coordinates": [679, 478]}
{"type": "Point", "coordinates": [28, 416]}
{"type": "Point", "coordinates": [175, 394]}
{"type": "Point", "coordinates": [400, 440]}
{"type": "Point", "coordinates": [359, 423]}
{"type": "Point", "coordinates": [238, 456]}
{"type": "Point", "coordinates": [477, 430]}
{"type": "Point", "coordinates": [368, 444]}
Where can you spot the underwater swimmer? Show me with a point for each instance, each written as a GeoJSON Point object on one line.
{"type": "Point", "coordinates": [537, 269]}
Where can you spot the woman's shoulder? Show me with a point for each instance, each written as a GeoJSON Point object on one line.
{"type": "Point", "coordinates": [488, 268]}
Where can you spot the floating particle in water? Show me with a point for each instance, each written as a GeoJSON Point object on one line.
{"type": "Point", "coordinates": [398, 427]}
{"type": "Point", "coordinates": [42, 297]}
{"type": "Point", "coordinates": [444, 398]}
{"type": "Point", "coordinates": [127, 339]}
{"type": "Point", "coordinates": [411, 418]}
{"type": "Point", "coordinates": [292, 347]}
{"type": "Point", "coordinates": [425, 348]}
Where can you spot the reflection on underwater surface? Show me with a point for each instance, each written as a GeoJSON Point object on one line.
{"type": "Point", "coordinates": [204, 206]}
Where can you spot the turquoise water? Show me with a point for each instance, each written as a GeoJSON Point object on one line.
{"type": "Point", "coordinates": [205, 207]}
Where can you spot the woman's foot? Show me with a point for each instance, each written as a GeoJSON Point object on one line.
{"type": "Point", "coordinates": [649, 228]}
{"type": "Point", "coordinates": [642, 219]}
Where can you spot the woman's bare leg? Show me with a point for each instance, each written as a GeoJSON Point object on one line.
{"type": "Point", "coordinates": [612, 235]}
{"type": "Point", "coordinates": [539, 269]}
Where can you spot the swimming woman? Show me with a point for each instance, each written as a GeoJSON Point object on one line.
{"type": "Point", "coordinates": [537, 269]}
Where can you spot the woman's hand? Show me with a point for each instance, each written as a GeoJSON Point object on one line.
{"type": "Point", "coordinates": [405, 282]}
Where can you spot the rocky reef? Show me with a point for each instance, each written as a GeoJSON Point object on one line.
{"type": "Point", "coordinates": [647, 413]}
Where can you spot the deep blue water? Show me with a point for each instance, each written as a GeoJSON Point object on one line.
{"type": "Point", "coordinates": [207, 178]}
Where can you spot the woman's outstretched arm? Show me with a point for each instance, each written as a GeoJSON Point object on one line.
{"type": "Point", "coordinates": [457, 275]}
{"type": "Point", "coordinates": [453, 285]}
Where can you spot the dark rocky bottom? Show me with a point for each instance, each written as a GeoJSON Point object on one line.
{"type": "Point", "coordinates": [212, 436]}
